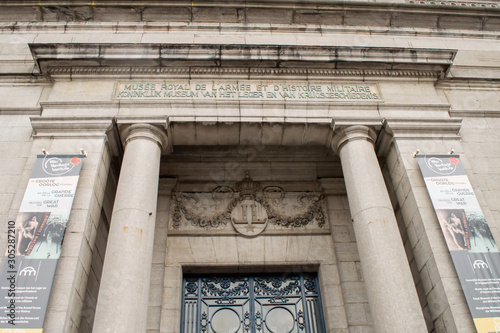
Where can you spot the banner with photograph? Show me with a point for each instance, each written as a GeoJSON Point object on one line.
{"type": "Point", "coordinates": [34, 243]}
{"type": "Point", "coordinates": [470, 242]}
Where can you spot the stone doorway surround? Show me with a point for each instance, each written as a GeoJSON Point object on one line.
{"type": "Point", "coordinates": [353, 131]}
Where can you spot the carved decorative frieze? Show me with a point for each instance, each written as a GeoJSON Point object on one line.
{"type": "Point", "coordinates": [228, 72]}
{"type": "Point", "coordinates": [247, 209]}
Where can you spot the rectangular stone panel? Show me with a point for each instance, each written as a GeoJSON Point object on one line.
{"type": "Point", "coordinates": [297, 91]}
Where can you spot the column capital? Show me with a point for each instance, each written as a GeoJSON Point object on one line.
{"type": "Point", "coordinates": [145, 131]}
{"type": "Point", "coordinates": [344, 134]}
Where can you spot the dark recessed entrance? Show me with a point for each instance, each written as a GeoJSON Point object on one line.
{"type": "Point", "coordinates": [277, 303]}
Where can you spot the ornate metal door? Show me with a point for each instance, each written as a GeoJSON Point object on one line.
{"type": "Point", "coordinates": [279, 303]}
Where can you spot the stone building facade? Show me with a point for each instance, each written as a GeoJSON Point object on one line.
{"type": "Point", "coordinates": [252, 137]}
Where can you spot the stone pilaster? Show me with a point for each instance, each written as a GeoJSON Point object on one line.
{"type": "Point", "coordinates": [393, 299]}
{"type": "Point", "coordinates": [63, 135]}
{"type": "Point", "coordinates": [123, 295]}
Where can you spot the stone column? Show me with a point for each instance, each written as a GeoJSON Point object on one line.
{"type": "Point", "coordinates": [391, 292]}
{"type": "Point", "coordinates": [124, 291]}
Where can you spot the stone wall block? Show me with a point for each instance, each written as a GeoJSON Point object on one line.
{"type": "Point", "coordinates": [329, 275]}
{"type": "Point", "coordinates": [152, 323]}
{"type": "Point", "coordinates": [250, 250]}
{"type": "Point", "coordinates": [211, 14]}
{"type": "Point", "coordinates": [415, 20]}
{"type": "Point", "coordinates": [357, 314]}
{"type": "Point", "coordinates": [318, 250]}
{"type": "Point", "coordinates": [342, 234]}
{"type": "Point", "coordinates": [223, 249]}
{"type": "Point", "coordinates": [202, 249]}
{"type": "Point", "coordinates": [348, 271]}
{"type": "Point", "coordinates": [337, 321]}
{"type": "Point", "coordinates": [275, 249]}
{"type": "Point", "coordinates": [332, 295]}
{"type": "Point", "coordinates": [298, 248]}
{"type": "Point", "coordinates": [360, 18]}
{"type": "Point", "coordinates": [160, 244]}
{"type": "Point", "coordinates": [354, 292]}
{"type": "Point", "coordinates": [178, 250]}
{"type": "Point", "coordinates": [347, 252]}
{"type": "Point", "coordinates": [119, 14]}
{"type": "Point", "coordinates": [318, 17]}
{"type": "Point", "coordinates": [172, 14]}
{"type": "Point", "coordinates": [260, 15]}
{"type": "Point", "coordinates": [468, 23]}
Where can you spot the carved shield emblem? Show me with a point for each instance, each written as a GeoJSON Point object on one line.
{"type": "Point", "coordinates": [249, 217]}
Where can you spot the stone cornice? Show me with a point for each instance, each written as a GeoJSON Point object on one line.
{"type": "Point", "coordinates": [416, 129]}
{"type": "Point", "coordinates": [75, 127]}
{"type": "Point", "coordinates": [269, 59]}
{"type": "Point", "coordinates": [221, 55]}
{"type": "Point", "coordinates": [173, 27]}
{"type": "Point", "coordinates": [36, 110]}
{"type": "Point", "coordinates": [424, 128]}
{"type": "Point", "coordinates": [47, 9]}
{"type": "Point", "coordinates": [468, 84]}
{"type": "Point", "coordinates": [475, 113]}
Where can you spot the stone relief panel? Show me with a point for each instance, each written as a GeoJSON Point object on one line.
{"type": "Point", "coordinates": [249, 209]}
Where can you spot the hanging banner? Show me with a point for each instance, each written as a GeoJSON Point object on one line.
{"type": "Point", "coordinates": [34, 243]}
{"type": "Point", "coordinates": [468, 236]}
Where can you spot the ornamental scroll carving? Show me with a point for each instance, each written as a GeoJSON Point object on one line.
{"type": "Point", "coordinates": [247, 208]}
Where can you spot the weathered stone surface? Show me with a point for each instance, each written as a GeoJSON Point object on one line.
{"type": "Point", "coordinates": [435, 66]}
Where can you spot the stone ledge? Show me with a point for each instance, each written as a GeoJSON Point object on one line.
{"type": "Point", "coordinates": [421, 27]}
{"type": "Point", "coordinates": [75, 127]}
{"type": "Point", "coordinates": [475, 113]}
{"type": "Point", "coordinates": [424, 128]}
{"type": "Point", "coordinates": [348, 13]}
{"type": "Point", "coordinates": [34, 111]}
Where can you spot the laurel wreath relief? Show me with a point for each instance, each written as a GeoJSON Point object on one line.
{"type": "Point", "coordinates": [313, 213]}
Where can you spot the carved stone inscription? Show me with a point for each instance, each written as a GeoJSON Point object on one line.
{"type": "Point", "coordinates": [248, 90]}
{"type": "Point", "coordinates": [248, 209]}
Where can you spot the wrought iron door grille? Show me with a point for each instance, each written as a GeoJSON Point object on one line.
{"type": "Point", "coordinates": [279, 303]}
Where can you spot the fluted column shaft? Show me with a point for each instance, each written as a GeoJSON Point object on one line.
{"type": "Point", "coordinates": [391, 292]}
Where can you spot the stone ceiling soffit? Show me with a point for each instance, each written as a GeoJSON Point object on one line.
{"type": "Point", "coordinates": [251, 133]}
{"type": "Point", "coordinates": [333, 186]}
{"type": "Point", "coordinates": [259, 133]}
{"type": "Point", "coordinates": [160, 56]}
